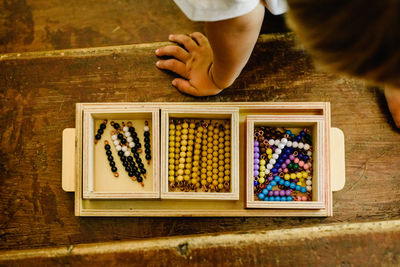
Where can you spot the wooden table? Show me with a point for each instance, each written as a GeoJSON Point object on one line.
{"type": "Point", "coordinates": [38, 95]}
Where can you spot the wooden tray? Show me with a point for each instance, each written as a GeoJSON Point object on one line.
{"type": "Point", "coordinates": [333, 179]}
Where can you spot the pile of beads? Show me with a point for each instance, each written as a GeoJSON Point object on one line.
{"type": "Point", "coordinates": [100, 131]}
{"type": "Point", "coordinates": [110, 158]}
{"type": "Point", "coordinates": [282, 165]}
{"type": "Point", "coordinates": [199, 155]}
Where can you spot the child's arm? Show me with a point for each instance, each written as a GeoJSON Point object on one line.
{"type": "Point", "coordinates": [207, 67]}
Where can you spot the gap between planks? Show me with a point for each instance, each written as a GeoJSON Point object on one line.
{"type": "Point", "coordinates": [108, 50]}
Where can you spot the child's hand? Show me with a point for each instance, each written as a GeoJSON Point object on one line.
{"type": "Point", "coordinates": [194, 64]}
{"type": "Point", "coordinates": [393, 101]}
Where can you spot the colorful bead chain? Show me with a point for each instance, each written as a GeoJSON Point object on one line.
{"type": "Point", "coordinates": [199, 156]}
{"type": "Point", "coordinates": [289, 164]}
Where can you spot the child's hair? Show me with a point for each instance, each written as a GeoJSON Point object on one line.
{"type": "Point", "coordinates": [355, 37]}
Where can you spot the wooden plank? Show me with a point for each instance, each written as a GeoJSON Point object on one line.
{"type": "Point", "coordinates": [354, 244]}
{"type": "Point", "coordinates": [37, 99]}
{"type": "Point", "coordinates": [47, 25]}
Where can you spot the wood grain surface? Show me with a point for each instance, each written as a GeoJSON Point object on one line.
{"type": "Point", "coordinates": [38, 93]}
{"type": "Point", "coordinates": [36, 25]}
{"type": "Point", "coordinates": [342, 244]}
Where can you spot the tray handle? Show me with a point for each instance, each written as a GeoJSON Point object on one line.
{"type": "Point", "coordinates": [68, 160]}
{"type": "Point", "coordinates": [338, 170]}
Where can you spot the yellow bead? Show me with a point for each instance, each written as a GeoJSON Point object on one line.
{"type": "Point", "coordinates": [171, 172]}
{"type": "Point", "coordinates": [179, 178]}
{"type": "Point", "coordinates": [221, 157]}
{"type": "Point", "coordinates": [215, 159]}
{"type": "Point", "coordinates": [227, 137]}
{"type": "Point", "coordinates": [196, 157]}
{"type": "Point", "coordinates": [215, 176]}
{"type": "Point", "coordinates": [192, 125]}
{"type": "Point", "coordinates": [227, 160]}
{"type": "Point", "coordinates": [182, 160]}
{"type": "Point", "coordinates": [171, 167]}
{"type": "Point", "coordinates": [188, 160]}
{"type": "Point", "coordinates": [171, 138]}
{"type": "Point", "coordinates": [221, 151]}
{"type": "Point", "coordinates": [227, 143]}
{"type": "Point", "coordinates": [209, 179]}
{"type": "Point", "coordinates": [304, 174]}
{"type": "Point", "coordinates": [215, 154]}
{"type": "Point", "coordinates": [178, 139]}
{"type": "Point", "coordinates": [203, 176]}
{"type": "Point", "coordinates": [215, 171]}
{"type": "Point", "coordinates": [184, 143]}
{"type": "Point", "coordinates": [194, 181]}
{"type": "Point", "coordinates": [203, 164]}
{"type": "Point", "coordinates": [203, 182]}
{"type": "Point", "coordinates": [227, 178]}
{"type": "Point", "coordinates": [287, 176]}
{"type": "Point", "coordinates": [195, 163]}
{"type": "Point", "coordinates": [220, 186]}
{"type": "Point", "coordinates": [191, 132]}
{"type": "Point", "coordinates": [293, 176]}
{"type": "Point", "coordinates": [298, 183]}
{"type": "Point", "coordinates": [261, 180]}
{"type": "Point", "coordinates": [221, 168]}
{"type": "Point", "coordinates": [220, 180]}
{"type": "Point", "coordinates": [180, 172]}
{"type": "Point", "coordinates": [195, 175]}
{"type": "Point", "coordinates": [171, 150]}
{"type": "Point", "coordinates": [227, 166]}
{"type": "Point", "coordinates": [197, 152]}
{"type": "Point", "coordinates": [185, 131]}
{"type": "Point", "coordinates": [178, 133]}
{"type": "Point", "coordinates": [203, 170]}
{"type": "Point", "coordinates": [185, 125]}
{"type": "Point", "coordinates": [262, 162]}
{"type": "Point", "coordinates": [178, 127]}
{"type": "Point", "coordinates": [262, 168]}
{"type": "Point", "coordinates": [171, 178]}
{"type": "Point", "coordinates": [209, 173]}
{"type": "Point", "coordinates": [171, 161]}
{"type": "Point", "coordinates": [204, 153]}
{"type": "Point", "coordinates": [188, 165]}
{"type": "Point", "coordinates": [228, 149]}
{"type": "Point", "coordinates": [187, 172]}
{"type": "Point", "coordinates": [227, 155]}
{"type": "Point", "coordinates": [220, 174]}
{"type": "Point", "coordinates": [215, 143]}
{"type": "Point", "coordinates": [299, 175]}
{"type": "Point", "coordinates": [171, 126]}
{"type": "Point", "coordinates": [221, 140]}
{"type": "Point", "coordinates": [209, 162]}
{"type": "Point", "coordinates": [269, 151]}
{"type": "Point", "coordinates": [221, 134]}
{"type": "Point", "coordinates": [182, 154]}
{"type": "Point", "coordinates": [186, 177]}
{"type": "Point", "coordinates": [262, 174]}
{"type": "Point", "coordinates": [215, 182]}
{"type": "Point", "coordinates": [171, 155]}
{"type": "Point", "coordinates": [227, 172]}
{"type": "Point", "coordinates": [269, 156]}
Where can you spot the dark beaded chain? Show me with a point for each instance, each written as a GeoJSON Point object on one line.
{"type": "Point", "coordinates": [110, 158]}
{"type": "Point", "coordinates": [147, 145]}
{"type": "Point", "coordinates": [136, 140]}
{"type": "Point", "coordinates": [100, 131]}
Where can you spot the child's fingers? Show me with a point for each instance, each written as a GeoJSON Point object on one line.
{"type": "Point", "coordinates": [173, 65]}
{"type": "Point", "coordinates": [200, 38]}
{"type": "Point", "coordinates": [184, 40]}
{"type": "Point", "coordinates": [185, 87]}
{"type": "Point", "coordinates": [174, 51]}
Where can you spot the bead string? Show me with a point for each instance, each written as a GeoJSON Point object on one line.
{"type": "Point", "coordinates": [100, 131]}
{"type": "Point", "coordinates": [110, 158]}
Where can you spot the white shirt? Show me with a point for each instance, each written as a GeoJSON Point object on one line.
{"type": "Point", "coordinates": [214, 10]}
